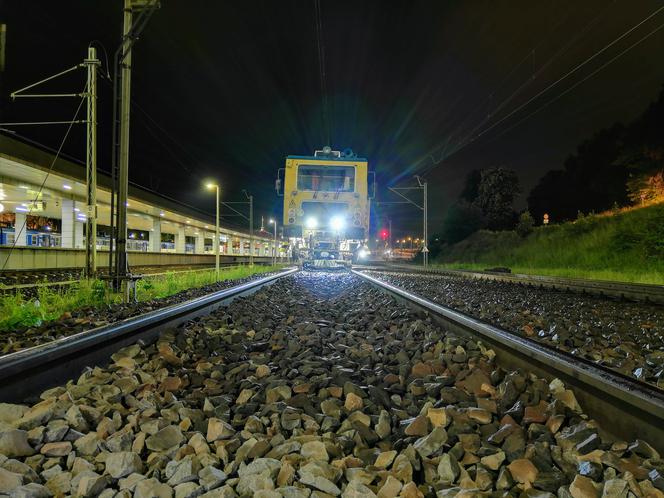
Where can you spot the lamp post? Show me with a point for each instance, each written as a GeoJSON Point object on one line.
{"type": "Point", "coordinates": [216, 230]}
{"type": "Point", "coordinates": [274, 248]}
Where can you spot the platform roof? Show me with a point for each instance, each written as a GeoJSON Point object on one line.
{"type": "Point", "coordinates": [24, 168]}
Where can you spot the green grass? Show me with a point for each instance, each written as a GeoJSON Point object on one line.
{"type": "Point", "coordinates": [18, 311]}
{"type": "Point", "coordinates": [624, 246]}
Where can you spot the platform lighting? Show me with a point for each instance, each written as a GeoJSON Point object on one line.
{"type": "Point", "coordinates": [311, 222]}
{"type": "Point", "coordinates": [2, 207]}
{"type": "Point", "coordinates": [21, 209]}
{"type": "Point", "coordinates": [162, 214]}
{"type": "Point", "coordinates": [337, 223]}
{"type": "Point", "coordinates": [66, 187]}
{"type": "Point", "coordinates": [211, 186]}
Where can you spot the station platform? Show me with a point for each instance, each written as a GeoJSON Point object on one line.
{"type": "Point", "coordinates": [42, 218]}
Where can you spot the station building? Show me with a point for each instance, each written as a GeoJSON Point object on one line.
{"type": "Point", "coordinates": [42, 219]}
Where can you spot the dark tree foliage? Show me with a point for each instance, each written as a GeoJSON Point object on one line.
{"type": "Point", "coordinates": [495, 197]}
{"type": "Point", "coordinates": [461, 220]}
{"type": "Point", "coordinates": [612, 167]}
{"type": "Point", "coordinates": [471, 187]}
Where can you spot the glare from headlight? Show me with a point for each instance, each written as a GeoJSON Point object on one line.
{"type": "Point", "coordinates": [311, 222]}
{"type": "Point", "coordinates": [363, 253]}
{"type": "Point", "coordinates": [337, 223]}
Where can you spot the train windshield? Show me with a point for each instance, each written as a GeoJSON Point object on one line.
{"type": "Point", "coordinates": [326, 178]}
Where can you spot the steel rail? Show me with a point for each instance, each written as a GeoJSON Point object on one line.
{"type": "Point", "coordinates": [625, 408]}
{"type": "Point", "coordinates": [632, 291]}
{"type": "Point", "coordinates": [26, 373]}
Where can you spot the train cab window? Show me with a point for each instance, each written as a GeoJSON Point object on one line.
{"type": "Point", "coordinates": [326, 178]}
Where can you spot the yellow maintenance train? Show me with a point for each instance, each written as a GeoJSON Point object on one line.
{"type": "Point", "coordinates": [327, 202]}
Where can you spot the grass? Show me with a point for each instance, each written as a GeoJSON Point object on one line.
{"type": "Point", "coordinates": [18, 311]}
{"type": "Point", "coordinates": [626, 246]}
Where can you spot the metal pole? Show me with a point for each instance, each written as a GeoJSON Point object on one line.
{"type": "Point", "coordinates": [91, 165]}
{"type": "Point", "coordinates": [425, 249]}
{"type": "Point", "coordinates": [274, 248]}
{"type": "Point", "coordinates": [251, 230]}
{"type": "Point", "coordinates": [123, 179]}
{"type": "Point", "coordinates": [216, 237]}
{"type": "Point", "coordinates": [389, 235]}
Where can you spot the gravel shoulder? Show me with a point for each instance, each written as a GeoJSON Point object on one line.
{"type": "Point", "coordinates": [625, 336]}
{"type": "Point", "coordinates": [316, 386]}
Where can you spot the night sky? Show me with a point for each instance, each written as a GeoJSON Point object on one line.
{"type": "Point", "coordinates": [227, 89]}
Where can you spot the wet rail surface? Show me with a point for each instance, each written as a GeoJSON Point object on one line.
{"type": "Point", "coordinates": [625, 336]}
{"type": "Point", "coordinates": [317, 385]}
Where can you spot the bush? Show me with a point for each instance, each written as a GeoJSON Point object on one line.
{"type": "Point", "coordinates": [525, 225]}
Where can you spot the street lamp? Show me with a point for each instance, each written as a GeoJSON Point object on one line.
{"type": "Point", "coordinates": [211, 186]}
{"type": "Point", "coordinates": [274, 248]}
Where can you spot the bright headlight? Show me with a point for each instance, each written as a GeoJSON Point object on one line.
{"type": "Point", "coordinates": [363, 253]}
{"type": "Point", "coordinates": [337, 223]}
{"type": "Point", "coordinates": [311, 222]}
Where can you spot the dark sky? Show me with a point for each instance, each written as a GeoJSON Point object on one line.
{"type": "Point", "coordinates": [227, 89]}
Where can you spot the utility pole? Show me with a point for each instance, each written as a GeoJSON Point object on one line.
{"type": "Point", "coordinates": [91, 63]}
{"type": "Point", "coordinates": [425, 249]}
{"type": "Point", "coordinates": [120, 160]}
{"type": "Point", "coordinates": [121, 266]}
{"type": "Point", "coordinates": [421, 185]}
{"type": "Point", "coordinates": [91, 165]}
{"type": "Point", "coordinates": [251, 228]}
{"type": "Point", "coordinates": [217, 238]}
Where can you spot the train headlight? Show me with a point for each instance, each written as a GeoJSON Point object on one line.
{"type": "Point", "coordinates": [311, 222]}
{"type": "Point", "coordinates": [337, 223]}
{"type": "Point", "coordinates": [363, 253]}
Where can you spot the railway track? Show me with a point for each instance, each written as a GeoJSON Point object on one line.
{"type": "Point", "coordinates": [631, 409]}
{"type": "Point", "coordinates": [312, 331]}
{"type": "Point", "coordinates": [620, 290]}
{"type": "Point", "coordinates": [24, 374]}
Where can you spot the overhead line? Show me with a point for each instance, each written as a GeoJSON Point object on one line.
{"type": "Point", "coordinates": [565, 76]}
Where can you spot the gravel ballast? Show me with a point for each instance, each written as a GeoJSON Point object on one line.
{"type": "Point", "coordinates": [316, 386]}
{"type": "Point", "coordinates": [625, 336]}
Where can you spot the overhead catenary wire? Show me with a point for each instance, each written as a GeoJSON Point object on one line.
{"type": "Point", "coordinates": [321, 69]}
{"type": "Point", "coordinates": [587, 77]}
{"type": "Point", "coordinates": [48, 172]}
{"type": "Point", "coordinates": [535, 74]}
{"type": "Point", "coordinates": [569, 73]}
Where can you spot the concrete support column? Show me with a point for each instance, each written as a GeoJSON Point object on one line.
{"type": "Point", "coordinates": [67, 217]}
{"type": "Point", "coordinates": [179, 240]}
{"type": "Point", "coordinates": [79, 241]}
{"type": "Point", "coordinates": [199, 247]}
{"type": "Point", "coordinates": [155, 235]}
{"type": "Point", "coordinates": [20, 230]}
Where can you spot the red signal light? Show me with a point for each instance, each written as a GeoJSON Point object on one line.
{"type": "Point", "coordinates": [384, 234]}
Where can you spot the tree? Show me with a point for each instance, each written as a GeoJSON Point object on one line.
{"type": "Point", "coordinates": [461, 220]}
{"type": "Point", "coordinates": [471, 186]}
{"type": "Point", "coordinates": [495, 197]}
{"type": "Point", "coordinates": [615, 166]}
{"type": "Point", "coordinates": [591, 180]}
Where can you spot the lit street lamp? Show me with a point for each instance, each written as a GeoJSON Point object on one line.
{"type": "Point", "coordinates": [274, 248]}
{"type": "Point", "coordinates": [211, 186]}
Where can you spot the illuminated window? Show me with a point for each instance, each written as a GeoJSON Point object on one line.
{"type": "Point", "coordinates": [326, 178]}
